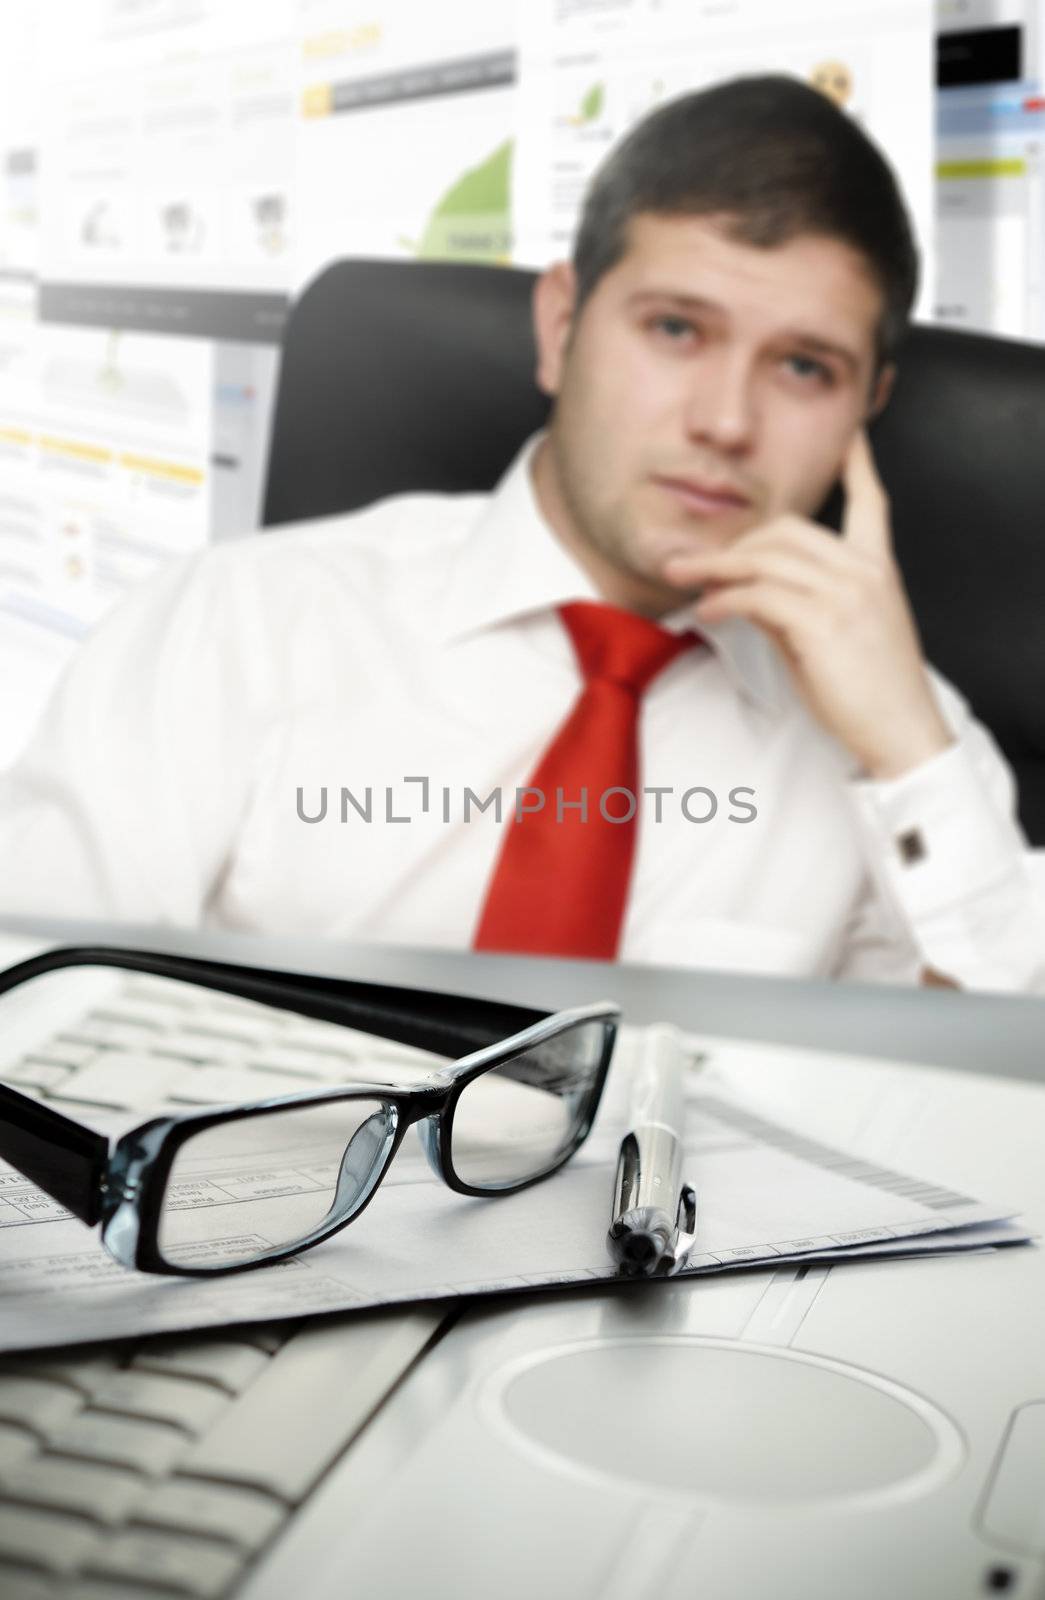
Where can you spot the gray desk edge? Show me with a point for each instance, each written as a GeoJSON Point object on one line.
{"type": "Point", "coordinates": [973, 1031]}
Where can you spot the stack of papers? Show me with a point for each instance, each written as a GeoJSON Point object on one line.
{"type": "Point", "coordinates": [771, 1189]}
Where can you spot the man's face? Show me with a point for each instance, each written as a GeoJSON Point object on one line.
{"type": "Point", "coordinates": [706, 386]}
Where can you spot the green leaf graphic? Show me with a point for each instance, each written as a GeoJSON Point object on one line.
{"type": "Point", "coordinates": [471, 220]}
{"type": "Point", "coordinates": [591, 105]}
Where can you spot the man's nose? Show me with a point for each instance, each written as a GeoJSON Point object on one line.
{"type": "Point", "coordinates": [720, 404]}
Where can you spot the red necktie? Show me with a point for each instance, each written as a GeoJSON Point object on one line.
{"type": "Point", "coordinates": [560, 885]}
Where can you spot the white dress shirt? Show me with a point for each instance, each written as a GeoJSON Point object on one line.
{"type": "Point", "coordinates": [417, 639]}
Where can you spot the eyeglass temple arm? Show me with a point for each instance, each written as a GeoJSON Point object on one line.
{"type": "Point", "coordinates": [448, 1024]}
{"type": "Point", "coordinates": [62, 1157]}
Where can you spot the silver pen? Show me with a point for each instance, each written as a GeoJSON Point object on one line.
{"type": "Point", "coordinates": [654, 1213]}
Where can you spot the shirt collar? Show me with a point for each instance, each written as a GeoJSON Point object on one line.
{"type": "Point", "coordinates": [511, 564]}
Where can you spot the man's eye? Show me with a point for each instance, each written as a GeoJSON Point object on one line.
{"type": "Point", "coordinates": [805, 367]}
{"type": "Point", "coordinates": [674, 327]}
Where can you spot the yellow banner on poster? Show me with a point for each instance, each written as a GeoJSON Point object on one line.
{"type": "Point", "coordinates": [75, 449]}
{"type": "Point", "coordinates": [989, 167]}
{"type": "Point", "coordinates": [161, 469]}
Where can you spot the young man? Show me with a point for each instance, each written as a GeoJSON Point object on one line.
{"type": "Point", "coordinates": [635, 703]}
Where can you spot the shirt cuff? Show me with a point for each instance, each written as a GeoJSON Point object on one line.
{"type": "Point", "coordinates": [955, 870]}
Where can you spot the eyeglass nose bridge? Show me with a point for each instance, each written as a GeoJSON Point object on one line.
{"type": "Point", "coordinates": [428, 1133]}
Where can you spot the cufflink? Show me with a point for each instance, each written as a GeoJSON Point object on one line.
{"type": "Point", "coordinates": [912, 846]}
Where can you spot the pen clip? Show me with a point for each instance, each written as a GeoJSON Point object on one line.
{"type": "Point", "coordinates": [686, 1226]}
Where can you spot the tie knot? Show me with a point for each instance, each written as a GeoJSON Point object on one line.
{"type": "Point", "coordinates": [620, 646]}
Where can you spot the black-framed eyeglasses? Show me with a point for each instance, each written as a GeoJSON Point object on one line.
{"type": "Point", "coordinates": [515, 1103]}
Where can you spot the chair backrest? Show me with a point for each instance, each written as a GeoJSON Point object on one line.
{"type": "Point", "coordinates": [401, 376]}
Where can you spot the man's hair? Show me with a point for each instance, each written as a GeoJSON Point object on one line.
{"type": "Point", "coordinates": [775, 157]}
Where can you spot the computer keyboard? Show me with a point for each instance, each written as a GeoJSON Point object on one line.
{"type": "Point", "coordinates": [167, 1465]}
{"type": "Point", "coordinates": [153, 1045]}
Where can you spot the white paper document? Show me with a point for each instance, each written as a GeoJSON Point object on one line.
{"type": "Point", "coordinates": [766, 1193]}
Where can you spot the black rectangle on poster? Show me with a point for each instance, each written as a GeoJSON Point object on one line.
{"type": "Point", "coordinates": [979, 55]}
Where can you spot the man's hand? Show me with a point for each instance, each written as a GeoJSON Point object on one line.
{"type": "Point", "coordinates": [931, 979]}
{"type": "Point", "coordinates": [838, 611]}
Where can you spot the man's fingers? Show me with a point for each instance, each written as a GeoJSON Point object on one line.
{"type": "Point", "coordinates": [793, 568]}
{"type": "Point", "coordinates": [782, 612]}
{"type": "Point", "coordinates": [865, 524]}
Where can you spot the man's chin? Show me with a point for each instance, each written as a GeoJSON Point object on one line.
{"type": "Point", "coordinates": [655, 593]}
{"type": "Point", "coordinates": [678, 593]}
{"type": "Point", "coordinates": [703, 542]}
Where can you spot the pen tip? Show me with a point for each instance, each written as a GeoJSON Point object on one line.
{"type": "Point", "coordinates": [643, 1249]}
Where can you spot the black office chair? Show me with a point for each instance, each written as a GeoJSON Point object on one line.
{"type": "Point", "coordinates": [402, 376]}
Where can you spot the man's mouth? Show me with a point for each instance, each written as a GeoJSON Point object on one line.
{"type": "Point", "coordinates": [704, 496]}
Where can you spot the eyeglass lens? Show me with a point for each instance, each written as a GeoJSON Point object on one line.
{"type": "Point", "coordinates": [519, 1119]}
{"type": "Point", "coordinates": [293, 1167]}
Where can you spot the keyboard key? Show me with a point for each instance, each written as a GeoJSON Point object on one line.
{"type": "Point", "coordinates": [387, 1050]}
{"type": "Point", "coordinates": [166, 1561]}
{"type": "Point", "coordinates": [200, 1049]}
{"type": "Point", "coordinates": [270, 1336]}
{"type": "Point", "coordinates": [333, 1068]}
{"type": "Point", "coordinates": [165, 994]}
{"type": "Point", "coordinates": [223, 1011]}
{"type": "Point", "coordinates": [239, 1516]}
{"type": "Point", "coordinates": [20, 1586]}
{"type": "Point", "coordinates": [33, 1073]}
{"type": "Point", "coordinates": [117, 1032]}
{"type": "Point", "coordinates": [15, 1445]}
{"type": "Point", "coordinates": [322, 1388]}
{"type": "Point", "coordinates": [87, 1588]}
{"type": "Point", "coordinates": [322, 1038]}
{"type": "Point", "coordinates": [220, 1030]}
{"type": "Point", "coordinates": [118, 1079]}
{"type": "Point", "coordinates": [139, 1011]}
{"type": "Point", "coordinates": [81, 1369]}
{"type": "Point", "coordinates": [36, 1404]}
{"type": "Point", "coordinates": [305, 1077]}
{"type": "Point", "coordinates": [226, 1364]}
{"type": "Point", "coordinates": [99, 1035]}
{"type": "Point", "coordinates": [64, 1053]}
{"type": "Point", "coordinates": [307, 1063]}
{"type": "Point", "coordinates": [148, 1447]}
{"type": "Point", "coordinates": [183, 1403]}
{"type": "Point", "coordinates": [218, 1086]}
{"type": "Point", "coordinates": [44, 1540]}
{"type": "Point", "coordinates": [105, 1494]}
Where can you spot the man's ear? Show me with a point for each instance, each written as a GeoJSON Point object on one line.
{"type": "Point", "coordinates": [883, 388]}
{"type": "Point", "coordinates": [553, 299]}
